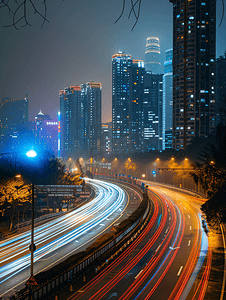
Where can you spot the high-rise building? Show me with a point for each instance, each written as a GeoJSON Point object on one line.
{"type": "Point", "coordinates": [194, 39]}
{"type": "Point", "coordinates": [152, 111]}
{"type": "Point", "coordinates": [167, 118]}
{"type": "Point", "coordinates": [92, 98]}
{"type": "Point", "coordinates": [220, 87]}
{"type": "Point", "coordinates": [136, 95]}
{"type": "Point", "coordinates": [80, 120]}
{"type": "Point", "coordinates": [136, 107]}
{"type": "Point", "coordinates": [13, 114]}
{"type": "Point", "coordinates": [70, 121]}
{"type": "Point", "coordinates": [120, 102]}
{"type": "Point", "coordinates": [152, 55]}
{"type": "Point", "coordinates": [106, 139]}
{"type": "Point", "coordinates": [127, 98]}
{"type": "Point", "coordinates": [48, 135]}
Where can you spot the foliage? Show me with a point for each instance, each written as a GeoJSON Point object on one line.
{"type": "Point", "coordinates": [14, 190]}
{"type": "Point", "coordinates": [211, 173]}
{"type": "Point", "coordinates": [215, 207]}
{"type": "Point", "coordinates": [46, 169]}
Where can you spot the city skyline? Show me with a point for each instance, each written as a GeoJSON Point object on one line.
{"type": "Point", "coordinates": [49, 59]}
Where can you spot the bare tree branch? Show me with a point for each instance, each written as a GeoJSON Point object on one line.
{"type": "Point", "coordinates": [21, 9]}
{"type": "Point", "coordinates": [222, 17]}
{"type": "Point", "coordinates": [123, 8]}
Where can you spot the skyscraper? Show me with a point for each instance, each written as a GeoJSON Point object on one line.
{"type": "Point", "coordinates": [220, 87]}
{"type": "Point", "coordinates": [152, 55]}
{"type": "Point", "coordinates": [13, 114]}
{"type": "Point", "coordinates": [120, 102]}
{"type": "Point", "coordinates": [152, 112]}
{"type": "Point", "coordinates": [70, 99]}
{"type": "Point", "coordinates": [80, 120]}
{"type": "Point", "coordinates": [91, 102]}
{"type": "Point", "coordinates": [136, 95]}
{"type": "Point", "coordinates": [194, 39]}
{"type": "Point", "coordinates": [167, 119]}
{"type": "Point", "coordinates": [127, 98]}
{"type": "Point", "coordinates": [106, 139]}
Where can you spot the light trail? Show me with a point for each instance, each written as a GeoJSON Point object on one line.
{"type": "Point", "coordinates": [174, 215]}
{"type": "Point", "coordinates": [49, 237]}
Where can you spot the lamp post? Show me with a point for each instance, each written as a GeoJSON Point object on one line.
{"type": "Point", "coordinates": [32, 154]}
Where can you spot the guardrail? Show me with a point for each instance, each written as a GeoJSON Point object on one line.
{"type": "Point", "coordinates": [50, 289]}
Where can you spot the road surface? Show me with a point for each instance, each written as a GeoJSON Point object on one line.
{"type": "Point", "coordinates": [164, 260]}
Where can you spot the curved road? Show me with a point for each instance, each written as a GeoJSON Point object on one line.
{"type": "Point", "coordinates": [61, 237]}
{"type": "Point", "coordinates": [164, 260]}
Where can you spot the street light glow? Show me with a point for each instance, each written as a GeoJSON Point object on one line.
{"type": "Point", "coordinates": [31, 153]}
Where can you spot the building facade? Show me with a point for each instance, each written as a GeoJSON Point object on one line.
{"type": "Point", "coordinates": [69, 101]}
{"type": "Point", "coordinates": [92, 98]}
{"type": "Point", "coordinates": [167, 119]}
{"type": "Point", "coordinates": [152, 112]}
{"type": "Point", "coordinates": [48, 135]}
{"type": "Point", "coordinates": [106, 139]}
{"type": "Point", "coordinates": [152, 55]}
{"type": "Point", "coordinates": [13, 117]}
{"type": "Point", "coordinates": [121, 63]}
{"type": "Point", "coordinates": [220, 88]}
{"type": "Point", "coordinates": [194, 48]}
{"type": "Point", "coordinates": [136, 107]}
{"type": "Point", "coordinates": [136, 98]}
{"type": "Point", "coordinates": [80, 120]}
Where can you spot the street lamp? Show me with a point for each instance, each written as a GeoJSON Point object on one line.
{"type": "Point", "coordinates": [32, 154]}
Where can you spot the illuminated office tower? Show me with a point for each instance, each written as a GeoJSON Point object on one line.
{"type": "Point", "coordinates": [167, 119]}
{"type": "Point", "coordinates": [13, 115]}
{"type": "Point", "coordinates": [70, 122]}
{"type": "Point", "coordinates": [194, 48]}
{"type": "Point", "coordinates": [127, 98]}
{"type": "Point", "coordinates": [152, 55]}
{"type": "Point", "coordinates": [80, 120]}
{"type": "Point", "coordinates": [120, 102]}
{"type": "Point", "coordinates": [106, 139]}
{"type": "Point", "coordinates": [91, 103]}
{"type": "Point", "coordinates": [152, 112]}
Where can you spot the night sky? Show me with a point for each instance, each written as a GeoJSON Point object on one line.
{"type": "Point", "coordinates": [77, 46]}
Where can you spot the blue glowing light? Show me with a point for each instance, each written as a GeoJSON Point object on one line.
{"type": "Point", "coordinates": [31, 153]}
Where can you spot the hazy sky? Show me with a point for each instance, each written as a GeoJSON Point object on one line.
{"type": "Point", "coordinates": [77, 46]}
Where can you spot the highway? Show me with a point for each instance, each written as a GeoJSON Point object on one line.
{"type": "Point", "coordinates": [60, 237]}
{"type": "Point", "coordinates": [164, 260]}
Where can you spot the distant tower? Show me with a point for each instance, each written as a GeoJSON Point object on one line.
{"type": "Point", "coordinates": [152, 55]}
{"type": "Point", "coordinates": [167, 126]}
